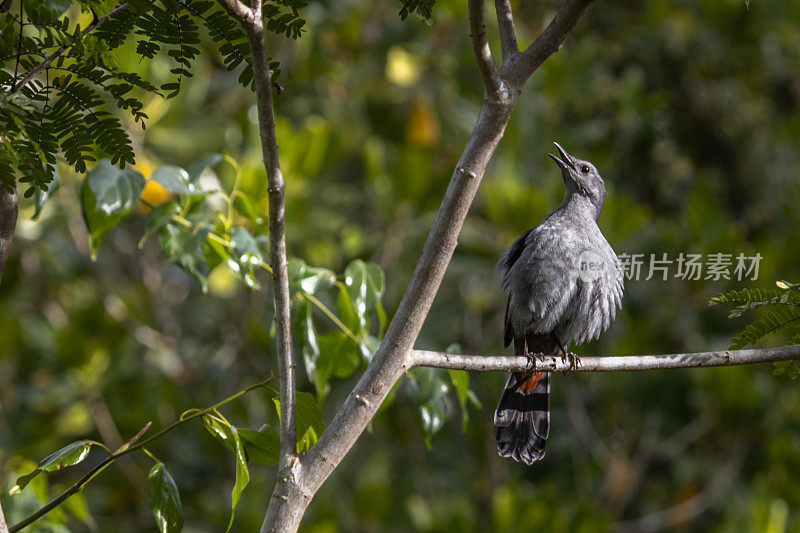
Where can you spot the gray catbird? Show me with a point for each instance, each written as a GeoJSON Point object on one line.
{"type": "Point", "coordinates": [564, 286]}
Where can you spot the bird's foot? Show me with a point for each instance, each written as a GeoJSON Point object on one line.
{"type": "Point", "coordinates": [531, 360]}
{"type": "Point", "coordinates": [572, 360]}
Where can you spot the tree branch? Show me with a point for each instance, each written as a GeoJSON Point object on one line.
{"type": "Point", "coordinates": [480, 46]}
{"type": "Point", "coordinates": [505, 22]}
{"type": "Point", "coordinates": [547, 43]}
{"type": "Point", "coordinates": [78, 485]}
{"type": "Point", "coordinates": [288, 466]}
{"type": "Point", "coordinates": [60, 50]}
{"type": "Point", "coordinates": [514, 363]}
{"type": "Point", "coordinates": [277, 234]}
{"type": "Point", "coordinates": [3, 525]}
{"type": "Point", "coordinates": [9, 211]}
{"type": "Point", "coordinates": [239, 11]}
{"type": "Point", "coordinates": [394, 356]}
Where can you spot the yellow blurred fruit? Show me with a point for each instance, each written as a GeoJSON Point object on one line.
{"type": "Point", "coordinates": [423, 126]}
{"type": "Point", "coordinates": [223, 282]}
{"type": "Point", "coordinates": [154, 193]}
{"type": "Point", "coordinates": [401, 67]}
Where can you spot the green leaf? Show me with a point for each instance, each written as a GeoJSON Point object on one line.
{"type": "Point", "coordinates": [309, 420]}
{"type": "Point", "coordinates": [220, 431]}
{"type": "Point", "coordinates": [307, 278]}
{"type": "Point", "coordinates": [165, 501]}
{"type": "Point", "coordinates": [159, 217]}
{"type": "Point", "coordinates": [368, 345]}
{"type": "Point", "coordinates": [141, 5]}
{"type": "Point", "coordinates": [115, 190]}
{"type": "Point", "coordinates": [306, 335]}
{"type": "Point", "coordinates": [383, 319]}
{"type": "Point", "coordinates": [108, 195]}
{"type": "Point", "coordinates": [339, 356]}
{"type": "Point", "coordinates": [245, 257]}
{"type": "Point", "coordinates": [59, 6]}
{"type": "Point", "coordinates": [242, 474]}
{"type": "Point", "coordinates": [365, 285]}
{"type": "Point", "coordinates": [201, 163]}
{"type": "Point", "coordinates": [749, 296]}
{"type": "Point", "coordinates": [262, 446]}
{"type": "Point", "coordinates": [40, 196]}
{"type": "Point", "coordinates": [186, 248]}
{"type": "Point", "coordinates": [460, 381]}
{"type": "Point", "coordinates": [244, 205]}
{"type": "Point", "coordinates": [430, 390]}
{"type": "Point", "coordinates": [347, 311]}
{"type": "Point", "coordinates": [175, 179]}
{"type": "Point", "coordinates": [69, 455]}
{"type": "Point", "coordinates": [423, 9]}
{"type": "Point", "coordinates": [774, 321]}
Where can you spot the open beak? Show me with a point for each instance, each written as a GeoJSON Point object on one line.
{"type": "Point", "coordinates": [565, 162]}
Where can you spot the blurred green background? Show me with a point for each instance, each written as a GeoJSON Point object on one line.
{"type": "Point", "coordinates": [691, 111]}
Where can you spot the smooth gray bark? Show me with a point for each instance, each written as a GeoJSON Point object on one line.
{"type": "Point", "coordinates": [3, 525]}
{"type": "Point", "coordinates": [9, 212]}
{"type": "Point", "coordinates": [287, 483]}
{"type": "Point", "coordinates": [515, 363]}
{"type": "Point", "coordinates": [394, 357]}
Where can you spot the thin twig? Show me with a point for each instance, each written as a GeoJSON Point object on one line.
{"type": "Point", "coordinates": [513, 363]}
{"type": "Point", "coordinates": [277, 238]}
{"type": "Point", "coordinates": [505, 22]}
{"type": "Point", "coordinates": [251, 20]}
{"type": "Point", "coordinates": [480, 46]}
{"type": "Point", "coordinates": [60, 50]}
{"type": "Point", "coordinates": [121, 453]}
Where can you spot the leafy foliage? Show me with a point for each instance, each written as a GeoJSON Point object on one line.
{"type": "Point", "coordinates": [423, 8]}
{"type": "Point", "coordinates": [201, 235]}
{"type": "Point", "coordinates": [57, 77]}
{"type": "Point", "coordinates": [695, 142]}
{"type": "Point", "coordinates": [784, 312]}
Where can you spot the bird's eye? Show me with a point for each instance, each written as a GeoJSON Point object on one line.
{"type": "Point", "coordinates": [585, 169]}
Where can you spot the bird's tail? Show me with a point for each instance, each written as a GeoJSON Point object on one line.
{"type": "Point", "coordinates": [522, 418]}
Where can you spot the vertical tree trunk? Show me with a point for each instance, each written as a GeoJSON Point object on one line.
{"type": "Point", "coordinates": [9, 210]}
{"type": "Point", "coordinates": [294, 492]}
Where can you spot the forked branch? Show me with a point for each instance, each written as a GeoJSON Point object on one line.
{"type": "Point", "coordinates": [548, 42]}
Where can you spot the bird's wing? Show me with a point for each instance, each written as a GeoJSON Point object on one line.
{"type": "Point", "coordinates": [510, 257]}
{"type": "Point", "coordinates": [541, 280]}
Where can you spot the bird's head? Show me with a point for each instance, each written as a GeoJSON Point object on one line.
{"type": "Point", "coordinates": [580, 178]}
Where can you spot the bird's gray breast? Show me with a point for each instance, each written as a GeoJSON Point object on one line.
{"type": "Point", "coordinates": [598, 292]}
{"type": "Point", "coordinates": [567, 280]}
